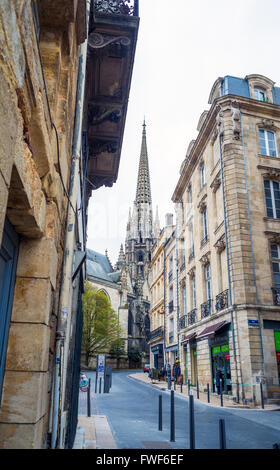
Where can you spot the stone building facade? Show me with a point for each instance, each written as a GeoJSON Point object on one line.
{"type": "Point", "coordinates": [49, 51]}
{"type": "Point", "coordinates": [227, 204]}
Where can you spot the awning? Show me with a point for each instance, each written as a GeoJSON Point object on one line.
{"type": "Point", "coordinates": [186, 339]}
{"type": "Point", "coordinates": [172, 348]}
{"type": "Point", "coordinates": [210, 330]}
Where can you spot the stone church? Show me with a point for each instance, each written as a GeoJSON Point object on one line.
{"type": "Point", "coordinates": [142, 232]}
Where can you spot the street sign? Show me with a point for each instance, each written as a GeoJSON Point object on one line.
{"type": "Point", "coordinates": [253, 323]}
{"type": "Point", "coordinates": [101, 358]}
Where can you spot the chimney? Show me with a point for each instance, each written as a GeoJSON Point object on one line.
{"type": "Point", "coordinates": [168, 219]}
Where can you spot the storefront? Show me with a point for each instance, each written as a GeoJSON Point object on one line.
{"type": "Point", "coordinates": [189, 350]}
{"type": "Point", "coordinates": [277, 349]}
{"type": "Point", "coordinates": [171, 354]}
{"type": "Point", "coordinates": [157, 351]}
{"type": "Point", "coordinates": [218, 340]}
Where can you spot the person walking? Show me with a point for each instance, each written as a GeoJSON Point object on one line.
{"type": "Point", "coordinates": [219, 380]}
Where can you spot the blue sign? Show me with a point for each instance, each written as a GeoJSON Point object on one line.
{"type": "Point", "coordinates": [253, 323]}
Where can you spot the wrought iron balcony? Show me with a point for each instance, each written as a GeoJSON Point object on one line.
{"type": "Point", "coordinates": [206, 308]}
{"type": "Point", "coordinates": [170, 276]}
{"type": "Point", "coordinates": [191, 255]}
{"type": "Point", "coordinates": [276, 295]}
{"type": "Point", "coordinates": [222, 300]}
{"type": "Point", "coordinates": [192, 317]}
{"type": "Point", "coordinates": [117, 7]}
{"type": "Point", "coordinates": [182, 267]}
{"type": "Point", "coordinates": [205, 240]}
{"type": "Point", "coordinates": [183, 322]}
{"type": "Point", "coordinates": [171, 337]}
{"type": "Point", "coordinates": [157, 333]}
{"type": "Point", "coordinates": [170, 306]}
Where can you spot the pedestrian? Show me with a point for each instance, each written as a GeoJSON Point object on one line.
{"type": "Point", "coordinates": [219, 380]}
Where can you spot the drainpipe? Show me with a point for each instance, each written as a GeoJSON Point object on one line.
{"type": "Point", "coordinates": [177, 291]}
{"type": "Point", "coordinates": [164, 304]}
{"type": "Point", "coordinates": [227, 255]}
{"type": "Point", "coordinates": [64, 309]}
{"type": "Point", "coordinates": [251, 241]}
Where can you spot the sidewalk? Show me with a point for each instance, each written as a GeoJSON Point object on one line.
{"type": "Point", "coordinates": [94, 433]}
{"type": "Point", "coordinates": [215, 400]}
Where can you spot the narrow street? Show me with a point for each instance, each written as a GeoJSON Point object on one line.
{"type": "Point", "coordinates": [131, 408]}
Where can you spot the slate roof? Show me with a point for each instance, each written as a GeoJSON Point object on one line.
{"type": "Point", "coordinates": [99, 266]}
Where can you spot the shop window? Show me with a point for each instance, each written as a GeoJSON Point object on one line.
{"type": "Point", "coordinates": [267, 143]}
{"type": "Point", "coordinates": [272, 198]}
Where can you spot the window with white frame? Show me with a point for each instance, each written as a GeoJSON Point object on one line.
{"type": "Point", "coordinates": [184, 300]}
{"type": "Point", "coordinates": [193, 292]}
{"type": "Point", "coordinates": [275, 255]}
{"type": "Point", "coordinates": [202, 175]}
{"type": "Point", "coordinates": [205, 224]}
{"type": "Point", "coordinates": [207, 272]}
{"type": "Point", "coordinates": [272, 198]}
{"type": "Point", "coordinates": [260, 94]}
{"type": "Point", "coordinates": [267, 143]}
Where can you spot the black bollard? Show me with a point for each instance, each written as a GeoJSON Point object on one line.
{"type": "Point", "coordinates": [172, 418]}
{"type": "Point", "coordinates": [197, 390]}
{"type": "Point", "coordinates": [262, 398]}
{"type": "Point", "coordinates": [189, 387]}
{"type": "Point", "coordinates": [88, 400]}
{"type": "Point", "coordinates": [208, 393]}
{"type": "Point", "coordinates": [221, 392]}
{"type": "Point", "coordinates": [191, 423]}
{"type": "Point", "coordinates": [160, 413]}
{"type": "Point", "coordinates": [96, 379]}
{"type": "Point", "coordinates": [181, 386]}
{"type": "Point", "coordinates": [222, 432]}
{"type": "Point", "coordinates": [100, 385]}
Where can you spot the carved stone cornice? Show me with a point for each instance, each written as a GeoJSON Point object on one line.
{"type": "Point", "coordinates": [273, 237]}
{"type": "Point", "coordinates": [191, 272]}
{"type": "Point", "coordinates": [216, 183]}
{"type": "Point", "coordinates": [205, 259]}
{"type": "Point", "coordinates": [202, 204]}
{"type": "Point", "coordinates": [97, 114]}
{"type": "Point", "coordinates": [220, 244]}
{"type": "Point", "coordinates": [270, 172]}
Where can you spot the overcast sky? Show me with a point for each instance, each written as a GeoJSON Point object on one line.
{"type": "Point", "coordinates": [183, 47]}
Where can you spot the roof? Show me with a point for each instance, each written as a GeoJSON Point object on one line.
{"type": "Point", "coordinates": [99, 266]}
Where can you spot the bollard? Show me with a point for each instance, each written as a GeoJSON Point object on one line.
{"type": "Point", "coordinates": [191, 423]}
{"type": "Point", "coordinates": [221, 392]}
{"type": "Point", "coordinates": [181, 386]}
{"type": "Point", "coordinates": [96, 379]}
{"type": "Point", "coordinates": [174, 383]}
{"type": "Point", "coordinates": [262, 398]}
{"type": "Point", "coordinates": [189, 387]}
{"type": "Point", "coordinates": [88, 400]}
{"type": "Point", "coordinates": [169, 382]}
{"type": "Point", "coordinates": [197, 390]}
{"type": "Point", "coordinates": [208, 393]}
{"type": "Point", "coordinates": [172, 418]}
{"type": "Point", "coordinates": [100, 385]}
{"type": "Point", "coordinates": [222, 432]}
{"type": "Point", "coordinates": [160, 413]}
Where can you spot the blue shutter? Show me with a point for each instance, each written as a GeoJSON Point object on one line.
{"type": "Point", "coordinates": [8, 262]}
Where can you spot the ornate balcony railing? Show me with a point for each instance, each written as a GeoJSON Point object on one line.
{"type": "Point", "coordinates": [276, 295]}
{"type": "Point", "coordinates": [170, 306]}
{"type": "Point", "coordinates": [205, 240]}
{"type": "Point", "coordinates": [182, 267]}
{"type": "Point", "coordinates": [158, 333]}
{"type": "Point", "coordinates": [222, 300]}
{"type": "Point", "coordinates": [117, 7]}
{"type": "Point", "coordinates": [183, 321]}
{"type": "Point", "coordinates": [192, 317]}
{"type": "Point", "coordinates": [170, 276]}
{"type": "Point", "coordinates": [206, 309]}
{"type": "Point", "coordinates": [171, 337]}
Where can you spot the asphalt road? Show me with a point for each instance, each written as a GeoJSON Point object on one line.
{"type": "Point", "coordinates": [131, 408]}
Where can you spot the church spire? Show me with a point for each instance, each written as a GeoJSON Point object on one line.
{"type": "Point", "coordinates": [143, 192]}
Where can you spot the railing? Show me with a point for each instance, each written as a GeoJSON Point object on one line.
{"type": "Point", "coordinates": [183, 322]}
{"type": "Point", "coordinates": [205, 239]}
{"type": "Point", "coordinates": [192, 317]}
{"type": "Point", "coordinates": [206, 308]}
{"type": "Point", "coordinates": [158, 333]}
{"type": "Point", "coordinates": [191, 255]}
{"type": "Point", "coordinates": [276, 295]}
{"type": "Point", "coordinates": [170, 276]}
{"type": "Point", "coordinates": [170, 306]}
{"type": "Point", "coordinates": [222, 300]}
{"type": "Point", "coordinates": [117, 7]}
{"type": "Point", "coordinates": [171, 337]}
{"type": "Point", "coordinates": [182, 267]}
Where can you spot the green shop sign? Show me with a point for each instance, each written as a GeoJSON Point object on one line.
{"type": "Point", "coordinates": [220, 349]}
{"type": "Point", "coordinates": [277, 340]}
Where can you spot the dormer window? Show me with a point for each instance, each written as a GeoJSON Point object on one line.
{"type": "Point", "coordinates": [260, 94]}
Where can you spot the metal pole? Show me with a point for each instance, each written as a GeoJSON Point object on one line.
{"type": "Point", "coordinates": [96, 379]}
{"type": "Point", "coordinates": [222, 432]}
{"type": "Point", "coordinates": [181, 386]}
{"type": "Point", "coordinates": [189, 387]}
{"type": "Point", "coordinates": [172, 418]}
{"type": "Point", "coordinates": [197, 390]}
{"type": "Point", "coordinates": [88, 400]}
{"type": "Point", "coordinates": [262, 398]}
{"type": "Point", "coordinates": [100, 385]}
{"type": "Point", "coordinates": [191, 423]}
{"type": "Point", "coordinates": [160, 413]}
{"type": "Point", "coordinates": [208, 393]}
{"type": "Point", "coordinates": [221, 392]}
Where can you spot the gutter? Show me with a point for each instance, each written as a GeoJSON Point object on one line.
{"type": "Point", "coordinates": [65, 300]}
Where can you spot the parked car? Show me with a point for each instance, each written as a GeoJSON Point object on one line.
{"type": "Point", "coordinates": [147, 368]}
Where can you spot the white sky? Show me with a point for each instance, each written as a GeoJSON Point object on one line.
{"type": "Point", "coordinates": [183, 47]}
